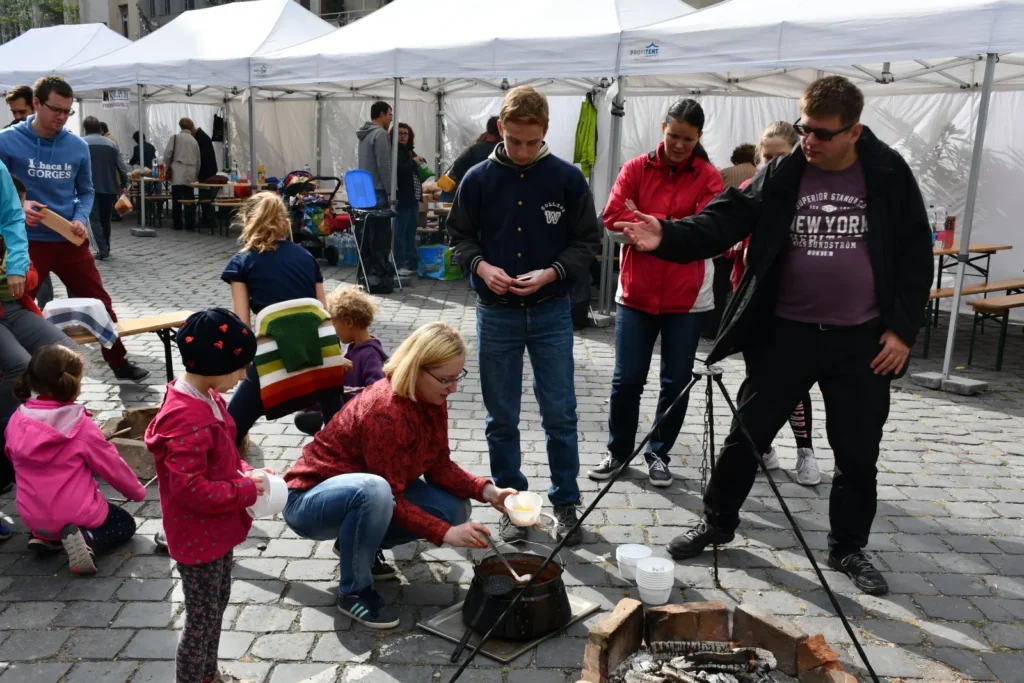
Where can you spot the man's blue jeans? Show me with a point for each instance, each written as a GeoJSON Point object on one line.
{"type": "Point", "coordinates": [406, 255]}
{"type": "Point", "coordinates": [545, 332]}
{"type": "Point", "coordinates": [635, 335]}
{"type": "Point", "coordinates": [356, 509]}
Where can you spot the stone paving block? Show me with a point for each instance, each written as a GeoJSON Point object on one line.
{"type": "Point", "coordinates": [264, 618]}
{"type": "Point", "coordinates": [94, 588]}
{"type": "Point", "coordinates": [34, 673]}
{"type": "Point", "coordinates": [959, 584]}
{"type": "Point", "coordinates": [1008, 667]}
{"type": "Point", "coordinates": [305, 673]}
{"type": "Point", "coordinates": [144, 589]}
{"type": "Point", "coordinates": [344, 647]}
{"type": "Point", "coordinates": [87, 614]}
{"type": "Point", "coordinates": [311, 570]}
{"type": "Point", "coordinates": [157, 567]}
{"type": "Point", "coordinates": [286, 646]}
{"type": "Point", "coordinates": [561, 653]}
{"type": "Point", "coordinates": [97, 643]}
{"type": "Point", "coordinates": [947, 634]}
{"type": "Point", "coordinates": [29, 645]}
{"type": "Point", "coordinates": [233, 644]}
{"type": "Point", "coordinates": [532, 676]}
{"type": "Point", "coordinates": [312, 593]}
{"type": "Point", "coordinates": [429, 594]}
{"type": "Point", "coordinates": [1007, 565]}
{"type": "Point", "coordinates": [145, 615]}
{"type": "Point", "coordinates": [285, 547]}
{"type": "Point", "coordinates": [323, 619]}
{"type": "Point", "coordinates": [891, 631]}
{"type": "Point", "coordinates": [30, 615]}
{"type": "Point", "coordinates": [953, 609]}
{"type": "Point", "coordinates": [25, 589]}
{"type": "Point", "coordinates": [101, 672]}
{"type": "Point", "coordinates": [363, 673]}
{"type": "Point", "coordinates": [260, 592]}
{"type": "Point", "coordinates": [155, 672]}
{"type": "Point", "coordinates": [148, 645]}
{"type": "Point", "coordinates": [1000, 609]}
{"type": "Point", "coordinates": [413, 648]}
{"type": "Point", "coordinates": [1006, 635]}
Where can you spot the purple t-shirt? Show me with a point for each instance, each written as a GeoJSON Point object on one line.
{"type": "Point", "coordinates": [827, 277]}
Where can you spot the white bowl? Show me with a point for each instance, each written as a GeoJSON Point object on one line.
{"type": "Point", "coordinates": [273, 498]}
{"type": "Point", "coordinates": [627, 556]}
{"type": "Point", "coordinates": [655, 573]}
{"type": "Point", "coordinates": [656, 596]}
{"type": "Point", "coordinates": [524, 508]}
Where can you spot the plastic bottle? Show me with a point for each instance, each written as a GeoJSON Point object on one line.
{"type": "Point", "coordinates": [155, 171]}
{"type": "Point", "coordinates": [234, 171]}
{"type": "Point", "coordinates": [306, 168]}
{"type": "Point", "coordinates": [348, 251]}
{"type": "Point", "coordinates": [261, 174]}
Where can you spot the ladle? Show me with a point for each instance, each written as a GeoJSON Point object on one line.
{"type": "Point", "coordinates": [525, 578]}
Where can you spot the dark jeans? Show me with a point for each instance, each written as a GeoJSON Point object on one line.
{"type": "Point", "coordinates": [800, 420]}
{"type": "Point", "coordinates": [102, 208]}
{"type": "Point", "coordinates": [786, 361]}
{"type": "Point", "coordinates": [178, 193]}
{"type": "Point", "coordinates": [545, 332]}
{"type": "Point", "coordinates": [635, 335]}
{"type": "Point", "coordinates": [356, 509]}
{"type": "Point", "coordinates": [117, 528]}
{"type": "Point", "coordinates": [246, 406]}
{"type": "Point", "coordinates": [406, 255]}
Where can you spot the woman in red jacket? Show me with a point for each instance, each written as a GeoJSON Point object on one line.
{"type": "Point", "coordinates": [379, 473]}
{"type": "Point", "coordinates": [656, 297]}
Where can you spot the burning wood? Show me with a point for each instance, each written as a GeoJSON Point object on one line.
{"type": "Point", "coordinates": [696, 662]}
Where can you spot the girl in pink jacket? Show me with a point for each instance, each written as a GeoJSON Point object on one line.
{"type": "Point", "coordinates": [56, 448]}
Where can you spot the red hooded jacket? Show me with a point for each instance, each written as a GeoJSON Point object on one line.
{"type": "Point", "coordinates": [665, 191]}
{"type": "Point", "coordinates": [27, 302]}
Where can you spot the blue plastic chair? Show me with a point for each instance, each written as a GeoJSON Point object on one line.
{"type": "Point", "coordinates": [359, 185]}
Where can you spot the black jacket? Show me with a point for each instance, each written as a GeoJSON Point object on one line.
{"type": "Point", "coordinates": [207, 156]}
{"type": "Point", "coordinates": [149, 156]}
{"type": "Point", "coordinates": [408, 177]}
{"type": "Point", "coordinates": [470, 157]}
{"type": "Point", "coordinates": [525, 218]}
{"type": "Point", "coordinates": [899, 242]}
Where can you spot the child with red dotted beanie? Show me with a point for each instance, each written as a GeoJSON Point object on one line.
{"type": "Point", "coordinates": [205, 486]}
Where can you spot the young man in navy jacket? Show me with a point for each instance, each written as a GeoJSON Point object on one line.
{"type": "Point", "coordinates": [524, 224]}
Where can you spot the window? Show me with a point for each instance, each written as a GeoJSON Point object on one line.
{"type": "Point", "coordinates": [166, 7]}
{"type": "Point", "coordinates": [123, 9]}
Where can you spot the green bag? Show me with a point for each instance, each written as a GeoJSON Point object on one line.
{"type": "Point", "coordinates": [425, 172]}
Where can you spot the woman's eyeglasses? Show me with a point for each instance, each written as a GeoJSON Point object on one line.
{"type": "Point", "coordinates": [448, 381]}
{"type": "Point", "coordinates": [820, 133]}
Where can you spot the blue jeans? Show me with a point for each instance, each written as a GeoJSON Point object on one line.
{"type": "Point", "coordinates": [356, 509]}
{"type": "Point", "coordinates": [545, 332]}
{"type": "Point", "coordinates": [635, 334]}
{"type": "Point", "coordinates": [406, 255]}
{"type": "Point", "coordinates": [246, 405]}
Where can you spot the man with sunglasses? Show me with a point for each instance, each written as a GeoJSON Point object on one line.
{"type": "Point", "coordinates": [838, 274]}
{"type": "Point", "coordinates": [55, 167]}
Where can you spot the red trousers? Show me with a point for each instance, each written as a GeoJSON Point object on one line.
{"type": "Point", "coordinates": [76, 268]}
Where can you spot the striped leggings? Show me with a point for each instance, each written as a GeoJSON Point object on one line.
{"type": "Point", "coordinates": [207, 590]}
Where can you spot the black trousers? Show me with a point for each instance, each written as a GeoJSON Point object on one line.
{"type": "Point", "coordinates": [787, 360]}
{"type": "Point", "coordinates": [178, 193]}
{"type": "Point", "coordinates": [102, 208]}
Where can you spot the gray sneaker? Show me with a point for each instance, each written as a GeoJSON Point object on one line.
{"type": "Point", "coordinates": [509, 532]}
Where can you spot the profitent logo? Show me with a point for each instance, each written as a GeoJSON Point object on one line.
{"type": "Point", "coordinates": [645, 51]}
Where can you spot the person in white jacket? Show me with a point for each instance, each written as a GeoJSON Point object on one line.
{"type": "Point", "coordinates": [181, 156]}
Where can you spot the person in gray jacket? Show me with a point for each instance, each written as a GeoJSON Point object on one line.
{"type": "Point", "coordinates": [109, 178]}
{"type": "Point", "coordinates": [375, 150]}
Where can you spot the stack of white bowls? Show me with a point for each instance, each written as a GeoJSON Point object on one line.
{"type": "Point", "coordinates": [655, 577]}
{"type": "Point", "coordinates": [627, 556]}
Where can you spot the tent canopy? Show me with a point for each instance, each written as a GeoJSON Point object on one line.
{"type": "Point", "coordinates": [43, 51]}
{"type": "Point", "coordinates": [881, 43]}
{"type": "Point", "coordinates": [206, 47]}
{"type": "Point", "coordinates": [469, 39]}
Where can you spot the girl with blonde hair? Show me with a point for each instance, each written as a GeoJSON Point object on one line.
{"type": "Point", "coordinates": [269, 269]}
{"type": "Point", "coordinates": [380, 474]}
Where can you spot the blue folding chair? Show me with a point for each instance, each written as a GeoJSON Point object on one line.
{"type": "Point", "coordinates": [362, 197]}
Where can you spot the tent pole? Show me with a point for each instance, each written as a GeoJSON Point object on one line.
{"type": "Point", "coordinates": [972, 195]}
{"type": "Point", "coordinates": [142, 159]}
{"type": "Point", "coordinates": [319, 121]}
{"type": "Point", "coordinates": [394, 176]}
{"type": "Point", "coordinates": [439, 155]}
{"type": "Point", "coordinates": [606, 292]}
{"type": "Point", "coordinates": [252, 135]}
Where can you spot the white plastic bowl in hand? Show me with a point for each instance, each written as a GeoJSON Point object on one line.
{"type": "Point", "coordinates": [273, 498]}
{"type": "Point", "coordinates": [524, 508]}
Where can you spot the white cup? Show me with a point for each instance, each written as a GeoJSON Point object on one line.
{"type": "Point", "coordinates": [273, 498]}
{"type": "Point", "coordinates": [627, 557]}
{"type": "Point", "coordinates": [524, 508]}
{"type": "Point", "coordinates": [655, 573]}
{"type": "Point", "coordinates": [656, 596]}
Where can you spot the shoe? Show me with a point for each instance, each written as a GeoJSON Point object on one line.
{"type": "Point", "coordinates": [509, 532]}
{"type": "Point", "coordinates": [131, 371]}
{"type": "Point", "coordinates": [657, 472]}
{"type": "Point", "coordinates": [309, 422]}
{"type": "Point", "coordinates": [102, 257]}
{"type": "Point", "coordinates": [160, 538]}
{"type": "Point", "coordinates": [79, 552]}
{"type": "Point", "coordinates": [698, 537]}
{"type": "Point", "coordinates": [7, 488]}
{"type": "Point", "coordinates": [368, 608]}
{"type": "Point", "coordinates": [5, 532]}
{"type": "Point", "coordinates": [807, 472]}
{"type": "Point", "coordinates": [605, 470]}
{"type": "Point", "coordinates": [41, 545]}
{"type": "Point", "coordinates": [405, 272]}
{"type": "Point", "coordinates": [381, 570]}
{"type": "Point", "coordinates": [859, 568]}
{"type": "Point", "coordinates": [566, 516]}
{"type": "Point", "coordinates": [224, 677]}
{"type": "Point", "coordinates": [771, 459]}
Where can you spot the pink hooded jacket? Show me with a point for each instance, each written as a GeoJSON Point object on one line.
{"type": "Point", "coordinates": [55, 449]}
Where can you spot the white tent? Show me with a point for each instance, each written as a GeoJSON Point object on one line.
{"type": "Point", "coordinates": [43, 51]}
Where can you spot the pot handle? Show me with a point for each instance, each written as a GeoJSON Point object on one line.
{"type": "Point", "coordinates": [561, 562]}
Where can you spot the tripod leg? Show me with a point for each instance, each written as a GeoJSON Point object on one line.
{"type": "Point", "coordinates": [711, 456]}
{"type": "Point", "coordinates": [796, 529]}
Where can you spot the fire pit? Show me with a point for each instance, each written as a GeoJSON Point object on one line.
{"type": "Point", "coordinates": [693, 643]}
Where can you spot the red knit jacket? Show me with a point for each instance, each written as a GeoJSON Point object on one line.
{"type": "Point", "coordinates": [202, 495]}
{"type": "Point", "coordinates": [27, 301]}
{"type": "Point", "coordinates": [379, 432]}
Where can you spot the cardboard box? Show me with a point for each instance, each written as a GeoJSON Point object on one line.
{"type": "Point", "coordinates": [61, 226]}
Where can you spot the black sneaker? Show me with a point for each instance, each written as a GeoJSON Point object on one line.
{"type": "Point", "coordinates": [695, 539]}
{"type": "Point", "coordinates": [41, 545]}
{"type": "Point", "coordinates": [131, 371]}
{"type": "Point", "coordinates": [509, 532]}
{"type": "Point", "coordinates": [859, 568]}
{"type": "Point", "coordinates": [657, 472]}
{"type": "Point", "coordinates": [381, 570]}
{"type": "Point", "coordinates": [368, 608]}
{"type": "Point", "coordinates": [309, 422]}
{"type": "Point", "coordinates": [79, 552]}
{"type": "Point", "coordinates": [606, 469]}
{"type": "Point", "coordinates": [566, 516]}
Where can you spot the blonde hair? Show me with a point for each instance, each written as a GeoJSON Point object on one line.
{"type": "Point", "coordinates": [429, 347]}
{"type": "Point", "coordinates": [524, 105]}
{"type": "Point", "coordinates": [776, 129]}
{"type": "Point", "coordinates": [263, 219]}
{"type": "Point", "coordinates": [352, 302]}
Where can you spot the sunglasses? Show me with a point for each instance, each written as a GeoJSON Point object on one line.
{"type": "Point", "coordinates": [58, 110]}
{"type": "Point", "coordinates": [447, 382]}
{"type": "Point", "coordinates": [820, 133]}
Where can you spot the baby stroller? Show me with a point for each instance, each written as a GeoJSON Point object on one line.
{"type": "Point", "coordinates": [377, 271]}
{"type": "Point", "coordinates": [311, 213]}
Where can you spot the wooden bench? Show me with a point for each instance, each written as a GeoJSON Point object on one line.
{"type": "Point", "coordinates": [164, 325]}
{"type": "Point", "coordinates": [225, 208]}
{"type": "Point", "coordinates": [996, 308]}
{"type": "Point", "coordinates": [1013, 286]}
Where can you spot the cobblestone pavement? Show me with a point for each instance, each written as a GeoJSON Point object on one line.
{"type": "Point", "coordinates": [948, 532]}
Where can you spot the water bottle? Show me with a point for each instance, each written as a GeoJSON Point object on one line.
{"type": "Point", "coordinates": [234, 172]}
{"type": "Point", "coordinates": [348, 253]}
{"type": "Point", "coordinates": [155, 171]}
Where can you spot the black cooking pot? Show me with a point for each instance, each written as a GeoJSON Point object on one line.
{"type": "Point", "coordinates": [543, 609]}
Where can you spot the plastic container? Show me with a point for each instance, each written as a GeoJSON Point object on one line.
{"type": "Point", "coordinates": [273, 498]}
{"type": "Point", "coordinates": [654, 596]}
{"type": "Point", "coordinates": [655, 573]}
{"type": "Point", "coordinates": [359, 185]}
{"type": "Point", "coordinates": [524, 508]}
{"type": "Point", "coordinates": [627, 557]}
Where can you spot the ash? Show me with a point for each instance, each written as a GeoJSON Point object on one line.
{"type": "Point", "coordinates": [696, 662]}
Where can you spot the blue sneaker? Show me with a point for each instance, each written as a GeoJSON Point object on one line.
{"type": "Point", "coordinates": [5, 532]}
{"type": "Point", "coordinates": [369, 609]}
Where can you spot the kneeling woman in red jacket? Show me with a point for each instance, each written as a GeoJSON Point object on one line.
{"type": "Point", "coordinates": [379, 473]}
{"type": "Point", "coordinates": [657, 297]}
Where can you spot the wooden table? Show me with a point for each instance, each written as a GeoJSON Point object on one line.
{"type": "Point", "coordinates": [165, 325]}
{"type": "Point", "coordinates": [976, 253]}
